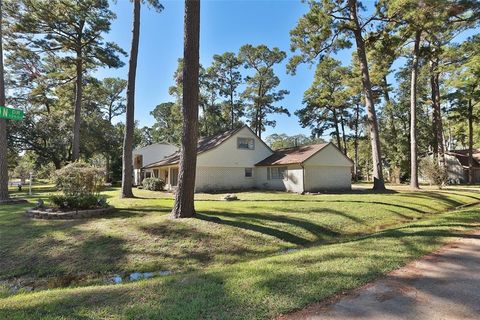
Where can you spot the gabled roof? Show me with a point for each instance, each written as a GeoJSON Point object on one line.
{"type": "Point", "coordinates": [204, 145]}
{"type": "Point", "coordinates": [462, 156]}
{"type": "Point", "coordinates": [152, 145]}
{"type": "Point", "coordinates": [293, 155]}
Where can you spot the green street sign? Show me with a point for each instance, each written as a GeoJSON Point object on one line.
{"type": "Point", "coordinates": [12, 114]}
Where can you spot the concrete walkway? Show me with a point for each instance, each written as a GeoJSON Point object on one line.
{"type": "Point", "coordinates": [441, 285]}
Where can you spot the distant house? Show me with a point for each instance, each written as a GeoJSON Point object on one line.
{"type": "Point", "coordinates": [458, 168]}
{"type": "Point", "coordinates": [238, 159]}
{"type": "Point", "coordinates": [149, 154]}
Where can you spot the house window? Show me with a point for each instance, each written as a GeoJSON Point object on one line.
{"type": "Point", "coordinates": [246, 143]}
{"type": "Point", "coordinates": [138, 163]}
{"type": "Point", "coordinates": [148, 174]}
{"type": "Point", "coordinates": [155, 173]}
{"type": "Point", "coordinates": [248, 172]}
{"type": "Point", "coordinates": [276, 173]}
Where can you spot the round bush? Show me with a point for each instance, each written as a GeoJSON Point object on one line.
{"type": "Point", "coordinates": [79, 179]}
{"type": "Point", "coordinates": [80, 184]}
{"type": "Point", "coordinates": [153, 184]}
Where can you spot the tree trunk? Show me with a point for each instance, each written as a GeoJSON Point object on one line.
{"type": "Point", "coordinates": [127, 170]}
{"type": "Point", "coordinates": [57, 163]}
{"type": "Point", "coordinates": [357, 118]}
{"type": "Point", "coordinates": [344, 137]}
{"type": "Point", "coordinates": [391, 115]}
{"type": "Point", "coordinates": [413, 114]}
{"type": "Point", "coordinates": [3, 125]}
{"type": "Point", "coordinates": [78, 105]}
{"type": "Point", "coordinates": [259, 111]}
{"type": "Point", "coordinates": [438, 141]}
{"type": "Point", "coordinates": [378, 182]}
{"type": "Point", "coordinates": [260, 121]}
{"type": "Point", "coordinates": [434, 111]}
{"type": "Point", "coordinates": [232, 124]}
{"type": "Point", "coordinates": [184, 197]}
{"type": "Point", "coordinates": [256, 121]}
{"type": "Point", "coordinates": [471, 173]}
{"type": "Point", "coordinates": [110, 112]}
{"type": "Point", "coordinates": [337, 131]}
{"type": "Point", "coordinates": [107, 168]}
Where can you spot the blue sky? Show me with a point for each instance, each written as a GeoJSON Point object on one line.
{"type": "Point", "coordinates": [225, 26]}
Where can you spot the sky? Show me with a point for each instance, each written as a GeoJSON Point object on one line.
{"type": "Point", "coordinates": [225, 26]}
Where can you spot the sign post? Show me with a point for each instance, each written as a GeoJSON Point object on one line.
{"type": "Point", "coordinates": [30, 189]}
{"type": "Point", "coordinates": [10, 113]}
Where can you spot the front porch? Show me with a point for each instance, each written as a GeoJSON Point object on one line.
{"type": "Point", "coordinates": [168, 174]}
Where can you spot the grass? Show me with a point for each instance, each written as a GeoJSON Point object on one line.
{"type": "Point", "coordinates": [228, 262]}
{"type": "Point", "coordinates": [258, 289]}
{"type": "Point", "coordinates": [141, 237]}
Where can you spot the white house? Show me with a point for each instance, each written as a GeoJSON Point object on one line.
{"type": "Point", "coordinates": [149, 154]}
{"type": "Point", "coordinates": [238, 159]}
{"type": "Point", "coordinates": [458, 166]}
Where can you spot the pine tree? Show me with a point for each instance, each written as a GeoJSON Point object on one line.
{"type": "Point", "coordinates": [326, 101]}
{"type": "Point", "coordinates": [127, 171]}
{"type": "Point", "coordinates": [72, 32]}
{"type": "Point", "coordinates": [184, 206]}
{"type": "Point", "coordinates": [328, 27]}
{"type": "Point", "coordinates": [261, 87]}
{"type": "Point", "coordinates": [3, 123]}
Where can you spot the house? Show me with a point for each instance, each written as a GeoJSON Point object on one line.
{"type": "Point", "coordinates": [238, 159]}
{"type": "Point", "coordinates": [149, 154]}
{"type": "Point", "coordinates": [458, 168]}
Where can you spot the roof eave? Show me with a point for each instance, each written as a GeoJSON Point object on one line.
{"type": "Point", "coordinates": [278, 164]}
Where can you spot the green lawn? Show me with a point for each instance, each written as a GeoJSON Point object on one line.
{"type": "Point", "coordinates": [230, 262]}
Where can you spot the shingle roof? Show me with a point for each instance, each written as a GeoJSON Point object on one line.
{"type": "Point", "coordinates": [204, 144]}
{"type": "Point", "coordinates": [293, 155]}
{"type": "Point", "coordinates": [462, 156]}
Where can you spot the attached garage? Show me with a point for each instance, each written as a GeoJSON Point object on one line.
{"type": "Point", "coordinates": [313, 168]}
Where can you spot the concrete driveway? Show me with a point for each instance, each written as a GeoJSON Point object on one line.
{"type": "Point", "coordinates": [441, 285]}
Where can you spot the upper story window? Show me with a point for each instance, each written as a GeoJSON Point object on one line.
{"type": "Point", "coordinates": [138, 162]}
{"type": "Point", "coordinates": [246, 143]}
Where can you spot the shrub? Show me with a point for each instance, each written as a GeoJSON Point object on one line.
{"type": "Point", "coordinates": [153, 184]}
{"type": "Point", "coordinates": [433, 172]}
{"type": "Point", "coordinates": [46, 171]}
{"type": "Point", "coordinates": [80, 184]}
{"type": "Point", "coordinates": [82, 202]}
{"type": "Point", "coordinates": [79, 179]}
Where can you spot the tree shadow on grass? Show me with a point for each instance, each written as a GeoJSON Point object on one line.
{"type": "Point", "coordinates": [207, 299]}
{"type": "Point", "coordinates": [370, 257]}
{"type": "Point", "coordinates": [82, 252]}
{"type": "Point", "coordinates": [339, 213]}
{"type": "Point", "coordinates": [279, 234]}
{"type": "Point", "coordinates": [315, 229]}
{"type": "Point", "coordinates": [333, 201]}
{"type": "Point", "coordinates": [255, 290]}
{"type": "Point", "coordinates": [428, 195]}
{"type": "Point", "coordinates": [137, 212]}
{"type": "Point", "coordinates": [185, 245]}
{"type": "Point", "coordinates": [50, 247]}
